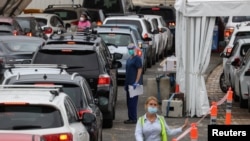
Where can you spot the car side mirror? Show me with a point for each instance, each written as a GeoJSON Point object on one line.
{"type": "Point", "coordinates": [117, 56]}
{"type": "Point", "coordinates": [88, 118]}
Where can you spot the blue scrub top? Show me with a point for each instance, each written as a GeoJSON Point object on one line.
{"type": "Point", "coordinates": [132, 65]}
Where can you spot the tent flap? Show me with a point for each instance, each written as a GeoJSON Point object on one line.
{"type": "Point", "coordinates": [13, 7]}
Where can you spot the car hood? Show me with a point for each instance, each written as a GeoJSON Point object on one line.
{"type": "Point", "coordinates": [13, 7]}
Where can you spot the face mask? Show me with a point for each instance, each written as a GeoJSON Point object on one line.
{"type": "Point", "coordinates": [131, 52]}
{"type": "Point", "coordinates": [152, 110]}
{"type": "Point", "coordinates": [82, 19]}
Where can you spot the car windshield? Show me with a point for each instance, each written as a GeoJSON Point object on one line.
{"type": "Point", "coordinates": [117, 39]}
{"type": "Point", "coordinates": [22, 46]}
{"type": "Point", "coordinates": [108, 6]}
{"type": "Point", "coordinates": [23, 117]}
{"type": "Point", "coordinates": [73, 59]}
{"type": "Point", "coordinates": [64, 14]}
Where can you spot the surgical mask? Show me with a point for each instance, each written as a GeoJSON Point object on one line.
{"type": "Point", "coordinates": [131, 52]}
{"type": "Point", "coordinates": [82, 19]}
{"type": "Point", "coordinates": [152, 110]}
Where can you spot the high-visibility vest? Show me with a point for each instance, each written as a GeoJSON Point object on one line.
{"type": "Point", "coordinates": [163, 129]}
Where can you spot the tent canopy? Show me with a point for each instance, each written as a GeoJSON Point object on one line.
{"type": "Point", "coordinates": [213, 7]}
{"type": "Point", "coordinates": [13, 7]}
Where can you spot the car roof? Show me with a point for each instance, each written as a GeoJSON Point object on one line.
{"type": "Point", "coordinates": [20, 37]}
{"type": "Point", "coordinates": [6, 19]}
{"type": "Point", "coordinates": [114, 29]}
{"type": "Point", "coordinates": [38, 15]}
{"type": "Point", "coordinates": [46, 95]}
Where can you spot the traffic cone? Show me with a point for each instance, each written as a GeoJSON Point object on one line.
{"type": "Point", "coordinates": [213, 113]}
{"type": "Point", "coordinates": [194, 132]}
{"type": "Point", "coordinates": [177, 88]}
{"type": "Point", "coordinates": [229, 106]}
{"type": "Point", "coordinates": [174, 139]}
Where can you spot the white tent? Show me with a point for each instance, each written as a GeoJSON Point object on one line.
{"type": "Point", "coordinates": [194, 30]}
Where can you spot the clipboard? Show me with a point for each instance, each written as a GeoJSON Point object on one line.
{"type": "Point", "coordinates": [134, 92]}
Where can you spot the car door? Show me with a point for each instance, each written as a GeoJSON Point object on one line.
{"type": "Point", "coordinates": [76, 127]}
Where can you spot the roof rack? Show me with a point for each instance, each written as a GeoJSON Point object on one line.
{"type": "Point", "coordinates": [60, 66]}
{"type": "Point", "coordinates": [63, 5]}
{"type": "Point", "coordinates": [86, 35]}
{"type": "Point", "coordinates": [53, 89]}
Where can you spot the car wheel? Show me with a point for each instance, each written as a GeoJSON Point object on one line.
{"type": "Point", "coordinates": [222, 82]}
{"type": "Point", "coordinates": [243, 102]}
{"type": "Point", "coordinates": [107, 123]}
{"type": "Point", "coordinates": [149, 62]}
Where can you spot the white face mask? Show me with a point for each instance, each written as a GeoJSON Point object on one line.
{"type": "Point", "coordinates": [82, 19]}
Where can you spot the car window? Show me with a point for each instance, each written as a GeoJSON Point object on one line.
{"type": "Point", "coordinates": [240, 18]}
{"type": "Point", "coordinates": [42, 21]}
{"type": "Point", "coordinates": [73, 59]}
{"type": "Point", "coordinates": [18, 117]}
{"type": "Point", "coordinates": [244, 49]}
{"type": "Point", "coordinates": [88, 92]}
{"type": "Point", "coordinates": [70, 110]}
{"type": "Point", "coordinates": [133, 22]}
{"type": "Point", "coordinates": [63, 14]}
{"type": "Point", "coordinates": [24, 23]}
{"type": "Point", "coordinates": [56, 22]}
{"type": "Point", "coordinates": [167, 14]}
{"type": "Point", "coordinates": [118, 39]}
{"type": "Point", "coordinates": [241, 35]}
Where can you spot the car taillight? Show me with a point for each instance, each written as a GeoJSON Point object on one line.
{"type": "Point", "coordinates": [237, 61]}
{"type": "Point", "coordinates": [59, 137]}
{"type": "Point", "coordinates": [145, 35]}
{"type": "Point", "coordinates": [15, 33]}
{"type": "Point", "coordinates": [98, 23]}
{"type": "Point", "coordinates": [228, 51]}
{"type": "Point", "coordinates": [171, 24]}
{"type": "Point", "coordinates": [139, 52]}
{"type": "Point", "coordinates": [81, 112]}
{"type": "Point", "coordinates": [48, 30]}
{"type": "Point", "coordinates": [29, 34]}
{"type": "Point", "coordinates": [75, 23]}
{"type": "Point", "coordinates": [228, 32]}
{"type": "Point", "coordinates": [103, 80]}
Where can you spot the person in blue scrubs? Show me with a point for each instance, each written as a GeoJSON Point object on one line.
{"type": "Point", "coordinates": [133, 78]}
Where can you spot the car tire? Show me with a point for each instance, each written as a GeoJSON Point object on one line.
{"type": "Point", "coordinates": [222, 83]}
{"type": "Point", "coordinates": [150, 62]}
{"type": "Point", "coordinates": [107, 123]}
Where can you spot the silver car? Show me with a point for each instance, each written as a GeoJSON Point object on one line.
{"type": "Point", "coordinates": [118, 40]}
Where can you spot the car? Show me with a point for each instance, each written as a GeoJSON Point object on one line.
{"type": "Point", "coordinates": [230, 24]}
{"type": "Point", "coordinates": [143, 26]}
{"type": "Point", "coordinates": [97, 16]}
{"type": "Point", "coordinates": [118, 39]}
{"type": "Point", "coordinates": [50, 23]}
{"type": "Point", "coordinates": [41, 110]}
{"type": "Point", "coordinates": [110, 7]}
{"type": "Point", "coordinates": [31, 27]}
{"type": "Point", "coordinates": [17, 50]}
{"type": "Point", "coordinates": [74, 85]}
{"type": "Point", "coordinates": [88, 55]}
{"type": "Point", "coordinates": [238, 52]}
{"type": "Point", "coordinates": [21, 137]}
{"type": "Point", "coordinates": [168, 38]}
{"type": "Point", "coordinates": [242, 81]}
{"type": "Point", "coordinates": [167, 12]}
{"type": "Point", "coordinates": [9, 26]}
{"type": "Point", "coordinates": [242, 31]}
{"type": "Point", "coordinates": [69, 13]}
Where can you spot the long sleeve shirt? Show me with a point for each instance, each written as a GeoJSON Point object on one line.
{"type": "Point", "coordinates": [151, 131]}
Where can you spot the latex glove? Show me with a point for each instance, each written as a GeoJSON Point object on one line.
{"type": "Point", "coordinates": [135, 85]}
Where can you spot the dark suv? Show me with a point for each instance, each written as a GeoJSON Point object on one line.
{"type": "Point", "coordinates": [89, 56]}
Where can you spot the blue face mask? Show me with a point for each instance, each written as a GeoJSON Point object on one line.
{"type": "Point", "coordinates": [131, 52]}
{"type": "Point", "coordinates": [152, 110]}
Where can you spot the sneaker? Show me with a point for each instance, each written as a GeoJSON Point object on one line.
{"type": "Point", "coordinates": [130, 121]}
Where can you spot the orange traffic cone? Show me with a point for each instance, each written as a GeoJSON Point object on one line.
{"type": "Point", "coordinates": [174, 139]}
{"type": "Point", "coordinates": [177, 88]}
{"type": "Point", "coordinates": [194, 132]}
{"type": "Point", "coordinates": [229, 106]}
{"type": "Point", "coordinates": [213, 113]}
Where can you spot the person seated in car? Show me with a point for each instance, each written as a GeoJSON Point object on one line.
{"type": "Point", "coordinates": [83, 23]}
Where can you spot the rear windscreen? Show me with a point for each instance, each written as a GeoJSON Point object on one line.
{"type": "Point", "coordinates": [74, 59]}
{"type": "Point", "coordinates": [167, 14]}
{"type": "Point", "coordinates": [130, 22]}
{"type": "Point", "coordinates": [108, 6]}
{"type": "Point", "coordinates": [64, 14]}
{"type": "Point", "coordinates": [23, 117]}
{"type": "Point", "coordinates": [241, 35]}
{"type": "Point", "coordinates": [41, 21]}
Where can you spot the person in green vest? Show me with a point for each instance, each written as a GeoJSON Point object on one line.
{"type": "Point", "coordinates": [153, 127]}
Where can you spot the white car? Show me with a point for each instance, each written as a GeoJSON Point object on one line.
{"type": "Point", "coordinates": [50, 23]}
{"type": "Point", "coordinates": [40, 110]}
{"type": "Point", "coordinates": [141, 23]}
{"type": "Point", "coordinates": [242, 83]}
{"type": "Point", "coordinates": [231, 23]}
{"type": "Point", "coordinates": [238, 52]}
